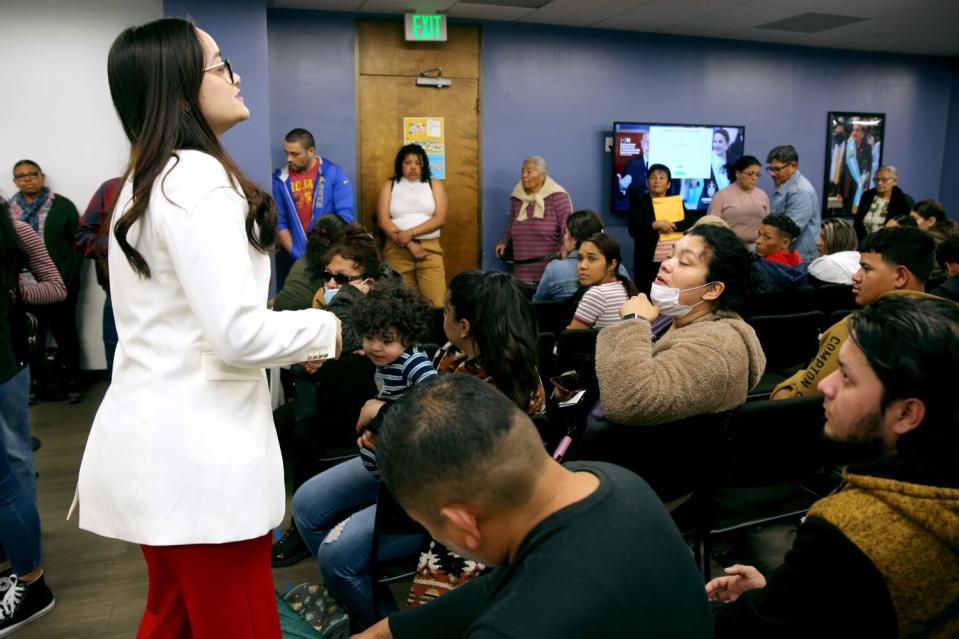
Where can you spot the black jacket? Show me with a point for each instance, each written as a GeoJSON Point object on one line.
{"type": "Point", "coordinates": [899, 204]}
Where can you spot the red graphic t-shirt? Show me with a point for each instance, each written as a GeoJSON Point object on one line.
{"type": "Point", "coordinates": [302, 184]}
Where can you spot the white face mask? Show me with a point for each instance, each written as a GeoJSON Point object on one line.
{"type": "Point", "coordinates": [667, 299]}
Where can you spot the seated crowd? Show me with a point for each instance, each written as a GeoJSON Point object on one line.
{"type": "Point", "coordinates": [511, 542]}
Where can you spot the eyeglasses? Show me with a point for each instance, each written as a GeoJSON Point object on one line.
{"type": "Point", "coordinates": [341, 278]}
{"type": "Point", "coordinates": [775, 169]}
{"type": "Point", "coordinates": [222, 65]}
{"type": "Point", "coordinates": [885, 179]}
{"type": "Point", "coordinates": [26, 176]}
{"type": "Point", "coordinates": [751, 174]}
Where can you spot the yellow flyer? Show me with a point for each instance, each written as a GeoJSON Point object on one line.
{"type": "Point", "coordinates": [429, 133]}
{"type": "Point", "coordinates": [671, 209]}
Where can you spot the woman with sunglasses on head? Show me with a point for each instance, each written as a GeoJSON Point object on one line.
{"type": "Point", "coordinates": [182, 457]}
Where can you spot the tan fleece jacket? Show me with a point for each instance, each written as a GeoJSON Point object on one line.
{"type": "Point", "coordinates": [705, 367]}
{"type": "Point", "coordinates": [911, 533]}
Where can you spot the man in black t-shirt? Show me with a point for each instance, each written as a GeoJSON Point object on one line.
{"type": "Point", "coordinates": [583, 551]}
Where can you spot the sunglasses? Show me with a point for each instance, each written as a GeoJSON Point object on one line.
{"type": "Point", "coordinates": [341, 278]}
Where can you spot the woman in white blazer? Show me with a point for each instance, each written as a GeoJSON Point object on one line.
{"type": "Point", "coordinates": [182, 457]}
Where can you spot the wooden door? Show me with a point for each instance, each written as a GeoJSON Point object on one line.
{"type": "Point", "coordinates": [387, 68]}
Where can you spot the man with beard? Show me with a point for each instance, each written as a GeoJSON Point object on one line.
{"type": "Point", "coordinates": [879, 557]}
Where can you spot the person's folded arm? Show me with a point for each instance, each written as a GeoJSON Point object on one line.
{"type": "Point", "coordinates": [446, 617]}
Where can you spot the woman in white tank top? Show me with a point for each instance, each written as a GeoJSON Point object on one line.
{"type": "Point", "coordinates": [411, 210]}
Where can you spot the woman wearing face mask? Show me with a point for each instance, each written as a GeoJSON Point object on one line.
{"type": "Point", "coordinates": [609, 289]}
{"type": "Point", "coordinates": [306, 275]}
{"type": "Point", "coordinates": [706, 357]}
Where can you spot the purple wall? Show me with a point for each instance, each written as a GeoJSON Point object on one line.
{"type": "Point", "coordinates": [555, 92]}
{"type": "Point", "coordinates": [312, 83]}
{"type": "Point", "coordinates": [239, 28]}
{"type": "Point", "coordinates": [949, 185]}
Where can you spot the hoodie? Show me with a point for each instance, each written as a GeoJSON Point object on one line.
{"type": "Point", "coordinates": [707, 366]}
{"type": "Point", "coordinates": [902, 512]}
{"type": "Point", "coordinates": [782, 271]}
{"type": "Point", "coordinates": [878, 558]}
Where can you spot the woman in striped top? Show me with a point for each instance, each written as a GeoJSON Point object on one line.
{"type": "Point", "coordinates": [599, 260]}
{"type": "Point", "coordinates": [537, 218]}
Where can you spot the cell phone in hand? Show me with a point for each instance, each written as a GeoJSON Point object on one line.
{"type": "Point", "coordinates": [568, 383]}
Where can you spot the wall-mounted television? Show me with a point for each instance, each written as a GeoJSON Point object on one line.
{"type": "Point", "coordinates": [696, 155]}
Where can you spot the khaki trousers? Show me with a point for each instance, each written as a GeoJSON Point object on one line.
{"type": "Point", "coordinates": [427, 276]}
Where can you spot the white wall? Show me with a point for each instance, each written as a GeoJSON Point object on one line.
{"type": "Point", "coordinates": [56, 110]}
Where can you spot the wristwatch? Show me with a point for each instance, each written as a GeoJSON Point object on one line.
{"type": "Point", "coordinates": [631, 316]}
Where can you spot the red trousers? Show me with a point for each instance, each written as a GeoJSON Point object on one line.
{"type": "Point", "coordinates": [210, 591]}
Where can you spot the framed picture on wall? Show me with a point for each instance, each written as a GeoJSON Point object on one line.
{"type": "Point", "coordinates": [854, 144]}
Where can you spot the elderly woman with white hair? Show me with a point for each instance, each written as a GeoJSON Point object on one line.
{"type": "Point", "coordinates": [538, 211]}
{"type": "Point", "coordinates": [881, 203]}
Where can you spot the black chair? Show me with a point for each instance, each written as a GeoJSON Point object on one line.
{"type": "Point", "coordinates": [835, 317]}
{"type": "Point", "coordinates": [553, 316]}
{"type": "Point", "coordinates": [830, 298]}
{"type": "Point", "coordinates": [773, 455]}
{"type": "Point", "coordinates": [789, 342]}
{"type": "Point", "coordinates": [675, 459]}
{"type": "Point", "coordinates": [797, 300]}
{"type": "Point", "coordinates": [572, 343]}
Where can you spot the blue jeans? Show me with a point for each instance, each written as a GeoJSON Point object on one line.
{"type": "Point", "coordinates": [334, 512]}
{"type": "Point", "coordinates": [19, 520]}
{"type": "Point", "coordinates": [15, 430]}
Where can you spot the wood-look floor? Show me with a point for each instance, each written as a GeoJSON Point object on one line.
{"type": "Point", "coordinates": [99, 584]}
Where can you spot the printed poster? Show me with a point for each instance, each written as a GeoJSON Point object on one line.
{"type": "Point", "coordinates": [429, 134]}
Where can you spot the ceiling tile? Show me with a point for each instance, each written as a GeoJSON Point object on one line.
{"type": "Point", "coordinates": [579, 13]}
{"type": "Point", "coordinates": [487, 12]}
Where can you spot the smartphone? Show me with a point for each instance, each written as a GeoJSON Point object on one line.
{"type": "Point", "coordinates": [568, 383]}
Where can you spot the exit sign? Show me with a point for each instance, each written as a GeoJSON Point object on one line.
{"type": "Point", "coordinates": [425, 27]}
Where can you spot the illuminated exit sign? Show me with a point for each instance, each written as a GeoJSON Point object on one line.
{"type": "Point", "coordinates": [425, 27]}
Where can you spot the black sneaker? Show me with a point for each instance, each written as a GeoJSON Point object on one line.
{"type": "Point", "coordinates": [74, 396]}
{"type": "Point", "coordinates": [23, 602]}
{"type": "Point", "coordinates": [290, 549]}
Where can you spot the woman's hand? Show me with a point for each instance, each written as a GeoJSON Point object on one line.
{"type": "Point", "coordinates": [500, 249]}
{"type": "Point", "coordinates": [640, 305]}
{"type": "Point", "coordinates": [739, 579]}
{"type": "Point", "coordinates": [368, 412]}
{"type": "Point", "coordinates": [417, 251]}
{"type": "Point", "coordinates": [403, 237]}
{"type": "Point", "coordinates": [664, 226]}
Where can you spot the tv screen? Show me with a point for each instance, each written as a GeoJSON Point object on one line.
{"type": "Point", "coordinates": [696, 155]}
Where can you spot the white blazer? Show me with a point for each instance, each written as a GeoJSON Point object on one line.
{"type": "Point", "coordinates": [183, 449]}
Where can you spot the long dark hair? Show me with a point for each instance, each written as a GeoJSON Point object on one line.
{"type": "Point", "coordinates": [504, 329]}
{"type": "Point", "coordinates": [12, 251]}
{"type": "Point", "coordinates": [609, 247]}
{"type": "Point", "coordinates": [411, 149]}
{"type": "Point", "coordinates": [155, 71]}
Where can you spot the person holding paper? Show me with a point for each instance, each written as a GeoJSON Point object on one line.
{"type": "Point", "coordinates": [655, 222]}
